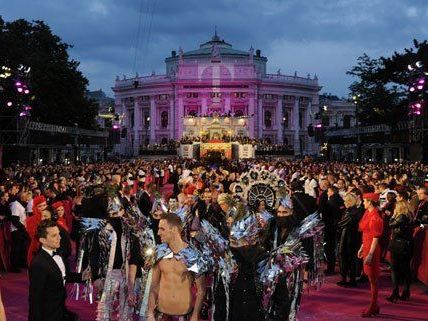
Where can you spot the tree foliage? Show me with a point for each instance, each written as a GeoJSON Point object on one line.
{"type": "Point", "coordinates": [382, 84]}
{"type": "Point", "coordinates": [56, 83]}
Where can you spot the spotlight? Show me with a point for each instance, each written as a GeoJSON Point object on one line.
{"type": "Point", "coordinates": [20, 90]}
{"type": "Point", "coordinates": [410, 67]}
{"type": "Point", "coordinates": [26, 91]}
{"type": "Point", "coordinates": [22, 114]}
{"type": "Point", "coordinates": [419, 64]}
{"type": "Point", "coordinates": [18, 84]}
{"type": "Point", "coordinates": [9, 104]}
{"type": "Point", "coordinates": [418, 105]}
{"type": "Point", "coordinates": [421, 81]}
{"type": "Point", "coordinates": [420, 87]}
{"type": "Point", "coordinates": [412, 89]}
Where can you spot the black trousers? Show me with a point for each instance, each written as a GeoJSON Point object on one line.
{"type": "Point", "coordinates": [330, 239]}
{"type": "Point", "coordinates": [18, 254]}
{"type": "Point", "coordinates": [401, 272]}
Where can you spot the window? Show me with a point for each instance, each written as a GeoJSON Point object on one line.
{"type": "Point", "coordinates": [239, 113]}
{"type": "Point", "coordinates": [285, 119]}
{"type": "Point", "coordinates": [131, 119]}
{"type": "Point", "coordinates": [193, 113]}
{"type": "Point", "coordinates": [163, 97]}
{"type": "Point", "coordinates": [347, 121]}
{"type": "Point", "coordinates": [239, 95]}
{"type": "Point", "coordinates": [301, 118]}
{"type": "Point", "coordinates": [215, 95]}
{"type": "Point", "coordinates": [268, 119]}
{"type": "Point", "coordinates": [192, 95]}
{"type": "Point", "coordinates": [164, 119]}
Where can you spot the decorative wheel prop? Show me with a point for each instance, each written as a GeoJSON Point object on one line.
{"type": "Point", "coordinates": [257, 185]}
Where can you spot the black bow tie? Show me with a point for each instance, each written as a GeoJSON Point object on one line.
{"type": "Point", "coordinates": [55, 253]}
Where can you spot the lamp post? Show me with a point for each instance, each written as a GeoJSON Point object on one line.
{"type": "Point", "coordinates": [147, 125]}
{"type": "Point", "coordinates": [356, 100]}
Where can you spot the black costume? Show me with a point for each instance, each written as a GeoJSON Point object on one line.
{"type": "Point", "coordinates": [349, 242]}
{"type": "Point", "coordinates": [401, 247]}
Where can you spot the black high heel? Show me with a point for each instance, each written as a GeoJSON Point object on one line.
{"type": "Point", "coordinates": [393, 297]}
{"type": "Point", "coordinates": [405, 296]}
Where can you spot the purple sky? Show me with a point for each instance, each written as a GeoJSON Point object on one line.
{"type": "Point", "coordinates": [317, 36]}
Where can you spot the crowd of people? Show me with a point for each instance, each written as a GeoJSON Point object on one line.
{"type": "Point", "coordinates": [128, 220]}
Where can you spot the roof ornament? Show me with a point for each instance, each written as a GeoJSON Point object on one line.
{"type": "Point", "coordinates": [180, 53]}
{"type": "Point", "coordinates": [251, 51]}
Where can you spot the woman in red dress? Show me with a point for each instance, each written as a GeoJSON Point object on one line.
{"type": "Point", "coordinates": [39, 205]}
{"type": "Point", "coordinates": [371, 225]}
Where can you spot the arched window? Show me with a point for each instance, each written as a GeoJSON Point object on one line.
{"type": "Point", "coordinates": [268, 119]}
{"type": "Point", "coordinates": [164, 119]}
{"type": "Point", "coordinates": [347, 121]}
{"type": "Point", "coordinates": [193, 113]}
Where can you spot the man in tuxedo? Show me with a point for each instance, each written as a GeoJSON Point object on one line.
{"type": "Point", "coordinates": [48, 276]}
{"type": "Point", "coordinates": [145, 201]}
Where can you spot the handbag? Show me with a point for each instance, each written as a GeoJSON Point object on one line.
{"type": "Point", "coordinates": [399, 246]}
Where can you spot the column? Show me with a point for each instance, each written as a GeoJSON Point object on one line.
{"type": "Point", "coordinates": [308, 113]}
{"type": "Point", "coordinates": [296, 139]}
{"type": "Point", "coordinates": [204, 106]}
{"type": "Point", "coordinates": [171, 118]}
{"type": "Point", "coordinates": [137, 124]}
{"type": "Point", "coordinates": [179, 120]}
{"type": "Point", "coordinates": [227, 104]}
{"type": "Point", "coordinates": [279, 122]}
{"type": "Point", "coordinates": [252, 119]}
{"type": "Point", "coordinates": [260, 118]}
{"type": "Point", "coordinates": [153, 119]}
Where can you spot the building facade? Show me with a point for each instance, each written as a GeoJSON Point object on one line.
{"type": "Point", "coordinates": [211, 84]}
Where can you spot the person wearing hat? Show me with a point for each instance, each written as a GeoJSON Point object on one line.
{"type": "Point", "coordinates": [371, 225]}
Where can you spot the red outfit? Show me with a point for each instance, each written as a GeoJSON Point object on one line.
{"type": "Point", "coordinates": [371, 225]}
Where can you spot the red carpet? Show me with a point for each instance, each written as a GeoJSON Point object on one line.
{"type": "Point", "coordinates": [331, 303]}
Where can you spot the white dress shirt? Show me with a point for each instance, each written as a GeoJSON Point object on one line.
{"type": "Point", "coordinates": [58, 260]}
{"type": "Point", "coordinates": [17, 209]}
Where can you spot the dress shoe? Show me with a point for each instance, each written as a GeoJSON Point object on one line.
{"type": "Point", "coordinates": [342, 283]}
{"type": "Point", "coordinates": [351, 284]}
{"type": "Point", "coordinates": [363, 279]}
{"type": "Point", "coordinates": [393, 297]}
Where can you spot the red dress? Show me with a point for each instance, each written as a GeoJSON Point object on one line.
{"type": "Point", "coordinates": [371, 225]}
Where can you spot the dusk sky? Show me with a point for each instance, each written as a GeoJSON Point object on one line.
{"type": "Point", "coordinates": [322, 37]}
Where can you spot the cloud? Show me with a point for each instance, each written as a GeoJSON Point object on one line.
{"type": "Point", "coordinates": [317, 36]}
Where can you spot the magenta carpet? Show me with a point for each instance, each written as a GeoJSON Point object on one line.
{"type": "Point", "coordinates": [331, 303]}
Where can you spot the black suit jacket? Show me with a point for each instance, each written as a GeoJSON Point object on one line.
{"type": "Point", "coordinates": [145, 204]}
{"type": "Point", "coordinates": [47, 291]}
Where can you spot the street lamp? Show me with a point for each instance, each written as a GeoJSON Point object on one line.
{"type": "Point", "coordinates": [356, 100]}
{"type": "Point", "coordinates": [147, 129]}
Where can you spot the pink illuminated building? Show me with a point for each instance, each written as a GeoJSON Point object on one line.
{"type": "Point", "coordinates": [217, 90]}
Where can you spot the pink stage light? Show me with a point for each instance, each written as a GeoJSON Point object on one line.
{"type": "Point", "coordinates": [20, 90]}
{"type": "Point", "coordinates": [412, 89]}
{"type": "Point", "coordinates": [418, 105]}
{"type": "Point", "coordinates": [27, 108]}
{"type": "Point", "coordinates": [116, 126]}
{"type": "Point", "coordinates": [26, 91]}
{"type": "Point", "coordinates": [9, 104]}
{"type": "Point", "coordinates": [18, 84]}
{"type": "Point", "coordinates": [420, 87]}
{"type": "Point", "coordinates": [318, 126]}
{"type": "Point", "coordinates": [22, 114]}
{"type": "Point", "coordinates": [421, 81]}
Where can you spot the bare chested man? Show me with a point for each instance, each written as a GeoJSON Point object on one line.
{"type": "Point", "coordinates": [173, 275]}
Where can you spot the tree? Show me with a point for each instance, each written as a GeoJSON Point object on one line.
{"type": "Point", "coordinates": [382, 86]}
{"type": "Point", "coordinates": [57, 86]}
